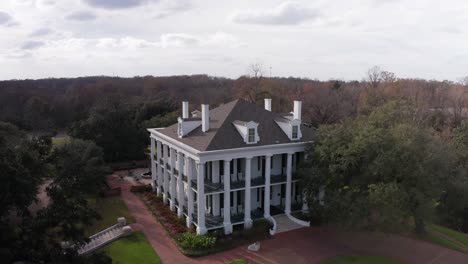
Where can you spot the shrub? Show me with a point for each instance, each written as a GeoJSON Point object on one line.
{"type": "Point", "coordinates": [196, 242]}
{"type": "Point", "coordinates": [140, 188]}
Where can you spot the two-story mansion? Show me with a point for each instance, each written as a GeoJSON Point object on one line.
{"type": "Point", "coordinates": [230, 165]}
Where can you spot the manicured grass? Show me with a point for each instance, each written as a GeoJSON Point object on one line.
{"type": "Point", "coordinates": [60, 141]}
{"type": "Point", "coordinates": [110, 209]}
{"type": "Point", "coordinates": [238, 261]}
{"type": "Point", "coordinates": [132, 249]}
{"type": "Point", "coordinates": [458, 236]}
{"type": "Point", "coordinates": [441, 241]}
{"type": "Point", "coordinates": [360, 260]}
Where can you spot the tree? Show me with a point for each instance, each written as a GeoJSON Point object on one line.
{"type": "Point", "coordinates": [22, 163]}
{"type": "Point", "coordinates": [79, 167]}
{"type": "Point", "coordinates": [363, 163]}
{"type": "Point", "coordinates": [112, 126]}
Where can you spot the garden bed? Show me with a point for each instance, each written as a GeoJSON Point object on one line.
{"type": "Point", "coordinates": [201, 245]}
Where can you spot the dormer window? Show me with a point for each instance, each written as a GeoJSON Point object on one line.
{"type": "Point", "coordinates": [248, 131]}
{"type": "Point", "coordinates": [295, 132]}
{"type": "Point", "coordinates": [251, 135]}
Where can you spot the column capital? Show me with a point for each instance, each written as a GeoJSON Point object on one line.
{"type": "Point", "coordinates": [198, 162]}
{"type": "Point", "coordinates": [248, 157]}
{"type": "Point", "coordinates": [227, 160]}
{"type": "Point", "coordinates": [291, 153]}
{"type": "Point", "coordinates": [269, 155]}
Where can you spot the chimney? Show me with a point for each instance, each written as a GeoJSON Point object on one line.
{"type": "Point", "coordinates": [185, 109]}
{"type": "Point", "coordinates": [205, 117]}
{"type": "Point", "coordinates": [268, 104]}
{"type": "Point", "coordinates": [297, 109]}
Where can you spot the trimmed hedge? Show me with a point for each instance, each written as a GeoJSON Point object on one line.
{"type": "Point", "coordinates": [189, 241]}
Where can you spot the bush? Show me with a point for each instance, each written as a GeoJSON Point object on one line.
{"type": "Point", "coordinates": [140, 188]}
{"type": "Point", "coordinates": [301, 215]}
{"type": "Point", "coordinates": [189, 241]}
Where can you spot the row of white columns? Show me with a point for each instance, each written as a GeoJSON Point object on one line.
{"type": "Point", "coordinates": [184, 166]}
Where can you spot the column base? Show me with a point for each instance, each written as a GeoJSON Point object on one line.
{"type": "Point", "coordinates": [248, 223]}
{"type": "Point", "coordinates": [266, 215]}
{"type": "Point", "coordinates": [227, 228]}
{"type": "Point", "coordinates": [172, 205]}
{"type": "Point", "coordinates": [180, 212]}
{"type": "Point", "coordinates": [165, 198]}
{"type": "Point", "coordinates": [305, 207]}
{"type": "Point", "coordinates": [158, 191]}
{"type": "Point", "coordinates": [189, 222]}
{"type": "Point", "coordinates": [201, 230]}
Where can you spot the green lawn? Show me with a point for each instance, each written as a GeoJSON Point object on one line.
{"type": "Point", "coordinates": [110, 209]}
{"type": "Point", "coordinates": [360, 260]}
{"type": "Point", "coordinates": [132, 249]}
{"type": "Point", "coordinates": [458, 236]}
{"type": "Point", "coordinates": [238, 261]}
{"type": "Point", "coordinates": [447, 241]}
{"type": "Point", "coordinates": [60, 141]}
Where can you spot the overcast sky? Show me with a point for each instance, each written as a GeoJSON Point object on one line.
{"type": "Point", "coordinates": [315, 39]}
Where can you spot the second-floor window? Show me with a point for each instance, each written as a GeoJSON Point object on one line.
{"type": "Point", "coordinates": [251, 135]}
{"type": "Point", "coordinates": [295, 131]}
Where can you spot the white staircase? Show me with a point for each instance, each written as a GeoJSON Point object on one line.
{"type": "Point", "coordinates": [284, 224]}
{"type": "Point", "coordinates": [106, 236]}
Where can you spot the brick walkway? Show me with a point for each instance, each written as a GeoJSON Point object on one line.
{"type": "Point", "coordinates": [305, 245]}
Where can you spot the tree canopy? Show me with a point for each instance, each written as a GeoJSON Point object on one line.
{"type": "Point", "coordinates": [379, 170]}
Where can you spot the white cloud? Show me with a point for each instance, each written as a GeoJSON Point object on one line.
{"type": "Point", "coordinates": [287, 13]}
{"type": "Point", "coordinates": [5, 18]}
{"type": "Point", "coordinates": [32, 44]}
{"type": "Point", "coordinates": [41, 32]}
{"type": "Point", "coordinates": [116, 4]}
{"type": "Point", "coordinates": [81, 16]}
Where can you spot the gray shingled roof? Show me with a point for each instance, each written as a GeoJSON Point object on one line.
{"type": "Point", "coordinates": [223, 134]}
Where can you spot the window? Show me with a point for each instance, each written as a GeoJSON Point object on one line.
{"type": "Point", "coordinates": [232, 199]}
{"type": "Point", "coordinates": [221, 168]}
{"type": "Point", "coordinates": [251, 135]}
{"type": "Point", "coordinates": [221, 200]}
{"type": "Point", "coordinates": [239, 197]}
{"type": "Point", "coordinates": [295, 130]}
{"type": "Point", "coordinates": [258, 195]}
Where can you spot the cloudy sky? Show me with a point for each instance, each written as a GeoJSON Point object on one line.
{"type": "Point", "coordinates": [316, 39]}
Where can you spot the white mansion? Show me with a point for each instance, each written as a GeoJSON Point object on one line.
{"type": "Point", "coordinates": [230, 165]}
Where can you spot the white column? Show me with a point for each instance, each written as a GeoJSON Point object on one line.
{"type": "Point", "coordinates": [166, 174]}
{"type": "Point", "coordinates": [188, 164]}
{"type": "Point", "coordinates": [287, 209]}
{"type": "Point", "coordinates": [235, 169]}
{"type": "Point", "coordinates": [216, 204]}
{"type": "Point", "coordinates": [159, 176]}
{"type": "Point", "coordinates": [172, 189]}
{"type": "Point", "coordinates": [247, 201]}
{"type": "Point", "coordinates": [180, 185]}
{"type": "Point", "coordinates": [267, 186]}
{"type": "Point", "coordinates": [201, 229]}
{"type": "Point", "coordinates": [215, 171]}
{"type": "Point", "coordinates": [227, 198]}
{"type": "Point", "coordinates": [153, 164]}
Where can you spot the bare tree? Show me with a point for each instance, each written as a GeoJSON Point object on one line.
{"type": "Point", "coordinates": [374, 77]}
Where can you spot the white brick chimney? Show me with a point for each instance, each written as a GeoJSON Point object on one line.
{"type": "Point", "coordinates": [185, 109]}
{"type": "Point", "coordinates": [205, 117]}
{"type": "Point", "coordinates": [268, 104]}
{"type": "Point", "coordinates": [297, 110]}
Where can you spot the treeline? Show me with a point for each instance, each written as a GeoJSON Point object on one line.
{"type": "Point", "coordinates": [115, 112]}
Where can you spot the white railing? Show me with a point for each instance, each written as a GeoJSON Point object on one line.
{"type": "Point", "coordinates": [105, 237]}
{"type": "Point", "coordinates": [273, 229]}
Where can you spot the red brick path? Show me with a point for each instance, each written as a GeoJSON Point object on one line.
{"type": "Point", "coordinates": [306, 245]}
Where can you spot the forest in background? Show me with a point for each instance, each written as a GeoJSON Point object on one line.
{"type": "Point", "coordinates": [113, 109]}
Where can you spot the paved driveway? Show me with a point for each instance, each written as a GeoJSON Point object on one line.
{"type": "Point", "coordinates": [305, 245]}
